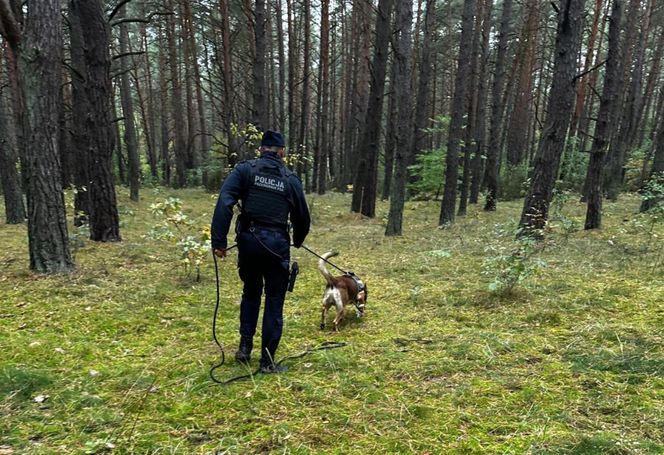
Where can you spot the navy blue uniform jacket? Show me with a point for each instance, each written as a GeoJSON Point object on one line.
{"type": "Point", "coordinates": [234, 188]}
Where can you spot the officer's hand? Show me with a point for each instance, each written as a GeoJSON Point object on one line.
{"type": "Point", "coordinates": [220, 252]}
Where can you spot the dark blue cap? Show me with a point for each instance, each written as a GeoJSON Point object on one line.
{"type": "Point", "coordinates": [273, 139]}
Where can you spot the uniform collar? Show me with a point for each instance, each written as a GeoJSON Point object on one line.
{"type": "Point", "coordinates": [271, 156]}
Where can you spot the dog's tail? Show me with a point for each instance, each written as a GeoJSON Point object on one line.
{"type": "Point", "coordinates": [323, 270]}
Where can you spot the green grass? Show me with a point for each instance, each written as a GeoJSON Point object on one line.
{"type": "Point", "coordinates": [570, 362]}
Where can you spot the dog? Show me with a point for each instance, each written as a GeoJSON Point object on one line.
{"type": "Point", "coordinates": [340, 292]}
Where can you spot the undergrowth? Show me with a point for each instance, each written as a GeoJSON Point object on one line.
{"type": "Point", "coordinates": [114, 358]}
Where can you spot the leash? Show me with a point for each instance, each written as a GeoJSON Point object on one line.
{"type": "Point", "coordinates": [321, 257]}
{"type": "Point", "coordinates": [326, 345]}
{"type": "Point", "coordinates": [214, 318]}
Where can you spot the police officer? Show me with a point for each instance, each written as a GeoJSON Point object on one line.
{"type": "Point", "coordinates": [268, 193]}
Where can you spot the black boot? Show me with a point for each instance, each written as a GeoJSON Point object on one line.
{"type": "Point", "coordinates": [269, 367]}
{"type": "Point", "coordinates": [243, 354]}
{"type": "Point", "coordinates": [267, 364]}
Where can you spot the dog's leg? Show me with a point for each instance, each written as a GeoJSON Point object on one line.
{"type": "Point", "coordinates": [323, 314]}
{"type": "Point", "coordinates": [340, 310]}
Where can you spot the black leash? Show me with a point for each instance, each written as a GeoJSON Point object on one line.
{"type": "Point", "coordinates": [321, 257]}
{"type": "Point", "coordinates": [214, 318]}
{"type": "Point", "coordinates": [322, 347]}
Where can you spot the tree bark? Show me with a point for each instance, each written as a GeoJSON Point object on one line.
{"type": "Point", "coordinates": [421, 118]}
{"type": "Point", "coordinates": [163, 112]}
{"type": "Point", "coordinates": [448, 205]}
{"type": "Point", "coordinates": [497, 110]}
{"type": "Point", "coordinates": [324, 101]}
{"type": "Point", "coordinates": [39, 61]}
{"type": "Point", "coordinates": [471, 118]}
{"type": "Point", "coordinates": [364, 186]}
{"type": "Point", "coordinates": [179, 143]}
{"type": "Point", "coordinates": [259, 107]}
{"type": "Point", "coordinates": [521, 116]}
{"type": "Point", "coordinates": [613, 172]}
{"type": "Point", "coordinates": [606, 120]}
{"type": "Point", "coordinates": [128, 112]}
{"type": "Point", "coordinates": [402, 87]}
{"type": "Point", "coordinates": [9, 176]}
{"type": "Point", "coordinates": [104, 219]}
{"type": "Point", "coordinates": [480, 122]}
{"type": "Point", "coordinates": [658, 161]}
{"type": "Point", "coordinates": [560, 105]}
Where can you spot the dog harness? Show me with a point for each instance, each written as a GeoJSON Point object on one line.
{"type": "Point", "coordinates": [360, 288]}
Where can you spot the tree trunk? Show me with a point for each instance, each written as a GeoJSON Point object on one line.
{"type": "Point", "coordinates": [480, 122]}
{"type": "Point", "coordinates": [229, 92]}
{"type": "Point", "coordinates": [128, 112]}
{"type": "Point", "coordinates": [306, 81]}
{"type": "Point", "coordinates": [364, 187]}
{"type": "Point", "coordinates": [150, 111]}
{"type": "Point", "coordinates": [561, 103]}
{"type": "Point", "coordinates": [9, 176]}
{"type": "Point", "coordinates": [360, 91]}
{"type": "Point", "coordinates": [324, 101]}
{"type": "Point", "coordinates": [402, 87]}
{"type": "Point", "coordinates": [179, 144]}
{"type": "Point", "coordinates": [99, 141]}
{"type": "Point", "coordinates": [471, 118]}
{"type": "Point", "coordinates": [448, 205]}
{"type": "Point", "coordinates": [281, 110]}
{"type": "Point", "coordinates": [391, 133]}
{"type": "Point", "coordinates": [613, 173]}
{"type": "Point", "coordinates": [259, 107]}
{"type": "Point", "coordinates": [497, 110]}
{"type": "Point", "coordinates": [649, 94]}
{"type": "Point", "coordinates": [606, 120]}
{"type": "Point", "coordinates": [421, 120]}
{"type": "Point", "coordinates": [80, 108]}
{"type": "Point", "coordinates": [163, 113]}
{"type": "Point", "coordinates": [658, 161]}
{"type": "Point", "coordinates": [521, 117]}
{"type": "Point", "coordinates": [39, 61]}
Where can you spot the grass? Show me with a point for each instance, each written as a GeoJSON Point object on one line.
{"type": "Point", "coordinates": [570, 362]}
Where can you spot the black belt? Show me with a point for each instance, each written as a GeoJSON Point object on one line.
{"type": "Point", "coordinates": [246, 227]}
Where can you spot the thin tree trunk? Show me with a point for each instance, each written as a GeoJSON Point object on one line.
{"type": "Point", "coordinates": [128, 112]}
{"type": "Point", "coordinates": [364, 187]}
{"type": "Point", "coordinates": [606, 120]}
{"type": "Point", "coordinates": [658, 161]}
{"type": "Point", "coordinates": [497, 110]}
{"type": "Point", "coordinates": [281, 111]}
{"type": "Point", "coordinates": [421, 119]}
{"type": "Point", "coordinates": [179, 144]}
{"type": "Point", "coordinates": [9, 176]}
{"type": "Point", "coordinates": [391, 133]}
{"type": "Point", "coordinates": [402, 87]}
{"type": "Point", "coordinates": [324, 105]}
{"type": "Point", "coordinates": [615, 158]}
{"type": "Point", "coordinates": [306, 82]}
{"type": "Point", "coordinates": [259, 106]}
{"type": "Point", "coordinates": [471, 118]}
{"type": "Point", "coordinates": [560, 106]}
{"type": "Point", "coordinates": [448, 205]}
{"type": "Point", "coordinates": [480, 123]}
{"type": "Point", "coordinates": [163, 113]}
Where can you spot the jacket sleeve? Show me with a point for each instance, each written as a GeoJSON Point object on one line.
{"type": "Point", "coordinates": [299, 215]}
{"type": "Point", "coordinates": [223, 212]}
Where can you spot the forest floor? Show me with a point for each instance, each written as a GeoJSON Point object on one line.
{"type": "Point", "coordinates": [115, 357]}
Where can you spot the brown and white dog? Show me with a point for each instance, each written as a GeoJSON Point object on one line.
{"type": "Point", "coordinates": [341, 291]}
